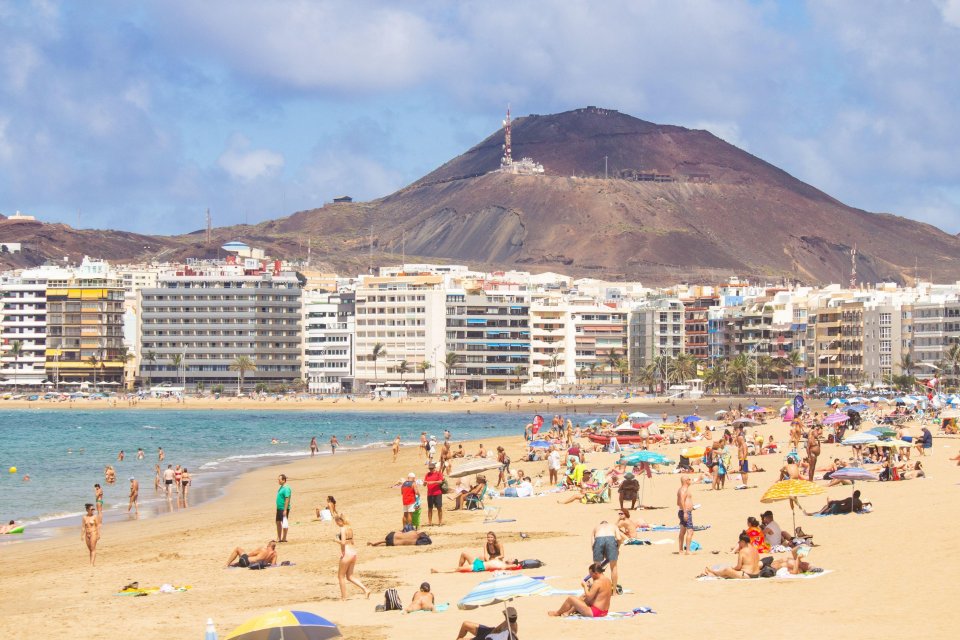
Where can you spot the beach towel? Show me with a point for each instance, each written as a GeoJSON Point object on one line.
{"type": "Point", "coordinates": [824, 515]}
{"type": "Point", "coordinates": [470, 570]}
{"type": "Point", "coordinates": [663, 527]}
{"type": "Point", "coordinates": [285, 563]}
{"type": "Point", "coordinates": [146, 591]}
{"type": "Point", "coordinates": [437, 608]}
{"type": "Point", "coordinates": [636, 541]}
{"type": "Point", "coordinates": [616, 615]}
{"type": "Point", "coordinates": [779, 576]}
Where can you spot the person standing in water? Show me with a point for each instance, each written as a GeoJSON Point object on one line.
{"type": "Point", "coordinates": [134, 496]}
{"type": "Point", "coordinates": [314, 447]}
{"type": "Point", "coordinates": [334, 443]}
{"type": "Point", "coordinates": [90, 532]}
{"type": "Point", "coordinates": [98, 493]}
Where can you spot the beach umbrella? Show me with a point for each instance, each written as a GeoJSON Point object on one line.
{"type": "Point", "coordinates": [540, 444]}
{"type": "Point", "coordinates": [853, 474]}
{"type": "Point", "coordinates": [474, 466]}
{"type": "Point", "coordinates": [834, 401]}
{"type": "Point", "coordinates": [690, 419]}
{"type": "Point", "coordinates": [722, 412]}
{"type": "Point", "coordinates": [693, 452]}
{"type": "Point", "coordinates": [860, 439]}
{"type": "Point", "coordinates": [754, 407]}
{"type": "Point", "coordinates": [638, 415]}
{"type": "Point", "coordinates": [882, 432]}
{"type": "Point", "coordinates": [598, 421]}
{"type": "Point", "coordinates": [502, 587]}
{"type": "Point", "coordinates": [834, 418]}
{"type": "Point", "coordinates": [858, 408]}
{"type": "Point", "coordinates": [791, 490]}
{"type": "Point", "coordinates": [891, 444]}
{"type": "Point", "coordinates": [875, 398]}
{"type": "Point", "coordinates": [745, 421]}
{"type": "Point", "coordinates": [649, 457]}
{"type": "Point", "coordinates": [285, 625]}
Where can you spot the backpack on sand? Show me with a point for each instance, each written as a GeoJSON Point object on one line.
{"type": "Point", "coordinates": [392, 600]}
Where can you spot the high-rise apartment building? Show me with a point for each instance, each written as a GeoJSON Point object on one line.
{"type": "Point", "coordinates": [23, 324]}
{"type": "Point", "coordinates": [329, 331]}
{"type": "Point", "coordinates": [200, 319]}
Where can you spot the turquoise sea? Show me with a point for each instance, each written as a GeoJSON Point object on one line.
{"type": "Point", "coordinates": [65, 452]}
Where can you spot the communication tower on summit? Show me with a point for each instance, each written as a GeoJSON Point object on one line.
{"type": "Point", "coordinates": [209, 228]}
{"type": "Point", "coordinates": [507, 158]}
{"type": "Point", "coordinates": [853, 267]}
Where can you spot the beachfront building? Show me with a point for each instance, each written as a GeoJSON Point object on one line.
{"type": "Point", "coordinates": [85, 327]}
{"type": "Point", "coordinates": [488, 328]}
{"type": "Point", "coordinates": [329, 321]}
{"type": "Point", "coordinates": [936, 329]}
{"type": "Point", "coordinates": [600, 346]}
{"type": "Point", "coordinates": [405, 316]}
{"type": "Point", "coordinates": [23, 325]}
{"type": "Point", "coordinates": [695, 320]}
{"type": "Point", "coordinates": [883, 323]}
{"type": "Point", "coordinates": [200, 319]}
{"type": "Point", "coordinates": [655, 333]}
{"type": "Point", "coordinates": [549, 349]}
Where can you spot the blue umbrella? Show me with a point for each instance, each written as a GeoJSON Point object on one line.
{"type": "Point", "coordinates": [754, 407]}
{"type": "Point", "coordinates": [650, 457]}
{"type": "Point", "coordinates": [540, 444]}
{"type": "Point", "coordinates": [285, 625]}
{"type": "Point", "coordinates": [503, 587]}
{"type": "Point", "coordinates": [690, 419]}
{"type": "Point", "coordinates": [858, 407]}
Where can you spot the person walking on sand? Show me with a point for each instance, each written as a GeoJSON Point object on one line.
{"type": "Point", "coordinates": [283, 508]}
{"type": "Point", "coordinates": [134, 496]}
{"type": "Point", "coordinates": [396, 448]}
{"type": "Point", "coordinates": [98, 493]}
{"type": "Point", "coordinates": [348, 557]}
{"type": "Point", "coordinates": [742, 456]}
{"type": "Point", "coordinates": [813, 449]}
{"type": "Point", "coordinates": [90, 532]}
{"type": "Point", "coordinates": [314, 447]}
{"type": "Point", "coordinates": [685, 513]}
{"type": "Point", "coordinates": [334, 443]}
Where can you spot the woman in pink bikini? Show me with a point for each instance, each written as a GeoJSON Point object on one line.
{"type": "Point", "coordinates": [348, 557]}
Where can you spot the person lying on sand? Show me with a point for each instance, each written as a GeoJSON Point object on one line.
{"type": "Point", "coordinates": [841, 506]}
{"type": "Point", "coordinates": [748, 563]}
{"type": "Point", "coordinates": [422, 599]}
{"type": "Point", "coordinates": [265, 555]}
{"type": "Point", "coordinates": [401, 539]}
{"type": "Point", "coordinates": [796, 564]}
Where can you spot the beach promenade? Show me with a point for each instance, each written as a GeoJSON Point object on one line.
{"type": "Point", "coordinates": [893, 570]}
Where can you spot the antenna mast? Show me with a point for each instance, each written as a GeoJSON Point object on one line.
{"type": "Point", "coordinates": [209, 228]}
{"type": "Point", "coordinates": [507, 159]}
{"type": "Point", "coordinates": [853, 267]}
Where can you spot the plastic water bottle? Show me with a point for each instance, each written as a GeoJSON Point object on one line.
{"type": "Point", "coordinates": [211, 633]}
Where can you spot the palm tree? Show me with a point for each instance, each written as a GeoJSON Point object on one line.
{"type": "Point", "coordinates": [795, 360]}
{"type": "Point", "coordinates": [403, 368]}
{"type": "Point", "coordinates": [613, 359]}
{"type": "Point", "coordinates": [150, 357]}
{"type": "Point", "coordinates": [124, 356]}
{"type": "Point", "coordinates": [765, 367]}
{"type": "Point", "coordinates": [518, 372]}
{"type": "Point", "coordinates": [16, 350]}
{"type": "Point", "coordinates": [685, 368]}
{"type": "Point", "coordinates": [623, 368]}
{"type": "Point", "coordinates": [242, 364]}
{"type": "Point", "coordinates": [95, 362]}
{"type": "Point", "coordinates": [451, 361]}
{"type": "Point", "coordinates": [953, 360]}
{"type": "Point", "coordinates": [648, 375]}
{"type": "Point", "coordinates": [554, 361]}
{"type": "Point", "coordinates": [377, 352]}
{"type": "Point", "coordinates": [423, 367]}
{"type": "Point", "coordinates": [716, 375]}
{"type": "Point", "coordinates": [177, 360]}
{"type": "Point", "coordinates": [739, 372]}
{"type": "Point", "coordinates": [593, 370]}
{"type": "Point", "coordinates": [906, 364]}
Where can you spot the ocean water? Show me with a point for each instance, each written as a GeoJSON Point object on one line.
{"type": "Point", "coordinates": [65, 452]}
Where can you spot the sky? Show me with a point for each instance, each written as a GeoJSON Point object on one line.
{"type": "Point", "coordinates": [142, 115]}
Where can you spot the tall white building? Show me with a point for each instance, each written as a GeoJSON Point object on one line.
{"type": "Point", "coordinates": [329, 333]}
{"type": "Point", "coordinates": [23, 320]}
{"type": "Point", "coordinates": [407, 316]}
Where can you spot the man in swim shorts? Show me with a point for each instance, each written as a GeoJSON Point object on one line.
{"type": "Point", "coordinates": [401, 539]}
{"type": "Point", "coordinates": [168, 477]}
{"type": "Point", "coordinates": [595, 602]}
{"type": "Point", "coordinates": [483, 632]}
{"type": "Point", "coordinates": [606, 541]}
{"type": "Point", "coordinates": [266, 554]}
{"type": "Point", "coordinates": [685, 513]}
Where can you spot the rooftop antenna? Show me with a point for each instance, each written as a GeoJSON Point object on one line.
{"type": "Point", "coordinates": [853, 267]}
{"type": "Point", "coordinates": [309, 247]}
{"type": "Point", "coordinates": [507, 159]}
{"type": "Point", "coordinates": [209, 228]}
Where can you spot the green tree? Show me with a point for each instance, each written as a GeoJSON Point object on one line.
{"type": "Point", "coordinates": [613, 361]}
{"type": "Point", "coordinates": [177, 361]}
{"type": "Point", "coordinates": [716, 375]}
{"type": "Point", "coordinates": [623, 368]}
{"type": "Point", "coordinates": [648, 375]}
{"type": "Point", "coordinates": [423, 367]}
{"type": "Point", "coordinates": [953, 360]}
{"type": "Point", "coordinates": [242, 364]}
{"type": "Point", "coordinates": [95, 362]}
{"type": "Point", "coordinates": [150, 357]}
{"type": "Point", "coordinates": [450, 362]}
{"type": "Point", "coordinates": [378, 351]}
{"type": "Point", "coordinates": [403, 368]}
{"type": "Point", "coordinates": [740, 372]}
{"type": "Point", "coordinates": [518, 372]}
{"type": "Point", "coordinates": [15, 351]}
{"type": "Point", "coordinates": [554, 361]}
{"type": "Point", "coordinates": [794, 360]}
{"type": "Point", "coordinates": [684, 368]}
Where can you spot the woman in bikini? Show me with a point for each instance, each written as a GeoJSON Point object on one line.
{"type": "Point", "coordinates": [348, 557]}
{"type": "Point", "coordinates": [98, 490]}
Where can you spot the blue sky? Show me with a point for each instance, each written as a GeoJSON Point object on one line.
{"type": "Point", "coordinates": [142, 115]}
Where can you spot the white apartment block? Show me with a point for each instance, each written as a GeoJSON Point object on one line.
{"type": "Point", "coordinates": [407, 316]}
{"type": "Point", "coordinates": [23, 320]}
{"type": "Point", "coordinates": [329, 333]}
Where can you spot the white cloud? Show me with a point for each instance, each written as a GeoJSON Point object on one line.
{"type": "Point", "coordinates": [244, 163]}
{"type": "Point", "coordinates": [951, 12]}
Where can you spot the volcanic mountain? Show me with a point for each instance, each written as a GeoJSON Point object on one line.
{"type": "Point", "coordinates": [619, 198]}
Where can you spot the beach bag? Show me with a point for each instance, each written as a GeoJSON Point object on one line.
{"type": "Point", "coordinates": [530, 564]}
{"type": "Point", "coordinates": [423, 539]}
{"type": "Point", "coordinates": [444, 486]}
{"type": "Point", "coordinates": [391, 600]}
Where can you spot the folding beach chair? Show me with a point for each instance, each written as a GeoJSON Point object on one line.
{"type": "Point", "coordinates": [475, 502]}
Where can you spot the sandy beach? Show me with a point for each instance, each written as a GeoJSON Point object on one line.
{"type": "Point", "coordinates": [887, 565]}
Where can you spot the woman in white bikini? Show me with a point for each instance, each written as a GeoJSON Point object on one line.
{"type": "Point", "coordinates": [348, 557]}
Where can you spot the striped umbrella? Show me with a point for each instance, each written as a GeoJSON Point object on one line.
{"type": "Point", "coordinates": [883, 432]}
{"type": "Point", "coordinates": [860, 439]}
{"type": "Point", "coordinates": [834, 418]}
{"type": "Point", "coordinates": [650, 457]}
{"type": "Point", "coordinates": [853, 474]}
{"type": "Point", "coordinates": [891, 444]}
{"type": "Point", "coordinates": [285, 625]}
{"type": "Point", "coordinates": [638, 414]}
{"type": "Point", "coordinates": [791, 490]}
{"type": "Point", "coordinates": [502, 587]}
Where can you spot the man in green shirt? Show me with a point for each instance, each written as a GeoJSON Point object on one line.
{"type": "Point", "coordinates": [283, 508]}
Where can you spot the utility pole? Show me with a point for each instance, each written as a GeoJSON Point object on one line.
{"type": "Point", "coordinates": [604, 167]}
{"type": "Point", "coordinates": [209, 228]}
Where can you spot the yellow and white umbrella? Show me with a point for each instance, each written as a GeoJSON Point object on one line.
{"type": "Point", "coordinates": [791, 490]}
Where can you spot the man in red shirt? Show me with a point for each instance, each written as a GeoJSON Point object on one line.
{"type": "Point", "coordinates": [433, 480]}
{"type": "Point", "coordinates": [409, 493]}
